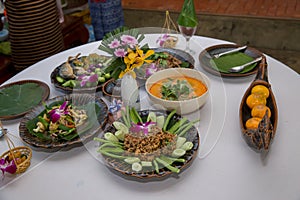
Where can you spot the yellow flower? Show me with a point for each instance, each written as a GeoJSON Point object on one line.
{"type": "Point", "coordinates": [135, 59]}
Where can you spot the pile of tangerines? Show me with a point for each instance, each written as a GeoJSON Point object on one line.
{"type": "Point", "coordinates": [257, 101]}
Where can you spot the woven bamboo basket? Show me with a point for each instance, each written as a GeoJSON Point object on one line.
{"type": "Point", "coordinates": [21, 155]}
{"type": "Point", "coordinates": [25, 151]}
{"type": "Point", "coordinates": [169, 25]}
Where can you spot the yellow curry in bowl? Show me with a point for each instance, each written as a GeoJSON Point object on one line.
{"type": "Point", "coordinates": [178, 88]}
{"type": "Point", "coordinates": [181, 89]}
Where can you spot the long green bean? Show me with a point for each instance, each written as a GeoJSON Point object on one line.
{"type": "Point", "coordinates": [123, 114]}
{"type": "Point", "coordinates": [181, 131]}
{"type": "Point", "coordinates": [106, 141]}
{"type": "Point", "coordinates": [177, 125]}
{"type": "Point", "coordinates": [165, 164]}
{"type": "Point", "coordinates": [112, 150]}
{"type": "Point", "coordinates": [111, 155]}
{"type": "Point", "coordinates": [171, 159]}
{"type": "Point", "coordinates": [168, 120]}
{"type": "Point", "coordinates": [156, 166]}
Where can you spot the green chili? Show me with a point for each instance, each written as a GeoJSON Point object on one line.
{"type": "Point", "coordinates": [168, 120]}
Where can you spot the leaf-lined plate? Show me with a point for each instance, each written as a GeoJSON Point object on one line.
{"type": "Point", "coordinates": [17, 98]}
{"type": "Point", "coordinates": [124, 169]}
{"type": "Point", "coordinates": [221, 65]}
{"type": "Point", "coordinates": [97, 113]}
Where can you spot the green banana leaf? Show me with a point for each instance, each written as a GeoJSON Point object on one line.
{"type": "Point", "coordinates": [19, 98]}
{"type": "Point", "coordinates": [187, 16]}
{"type": "Point", "coordinates": [226, 62]}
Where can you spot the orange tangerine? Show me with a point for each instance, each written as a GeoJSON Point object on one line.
{"type": "Point", "coordinates": [252, 123]}
{"type": "Point", "coordinates": [255, 99]}
{"type": "Point", "coordinates": [260, 110]}
{"type": "Point", "coordinates": [261, 89]}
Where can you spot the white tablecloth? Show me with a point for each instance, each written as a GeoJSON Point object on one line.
{"type": "Point", "coordinates": [225, 168]}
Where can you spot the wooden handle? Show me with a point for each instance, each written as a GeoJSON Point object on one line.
{"type": "Point", "coordinates": [262, 72]}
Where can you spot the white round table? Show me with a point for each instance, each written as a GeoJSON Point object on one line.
{"type": "Point", "coordinates": [225, 167]}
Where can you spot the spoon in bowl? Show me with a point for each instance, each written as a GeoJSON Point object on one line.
{"type": "Point", "coordinates": [241, 67]}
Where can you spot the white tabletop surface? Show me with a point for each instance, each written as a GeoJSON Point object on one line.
{"type": "Point", "coordinates": [225, 167]}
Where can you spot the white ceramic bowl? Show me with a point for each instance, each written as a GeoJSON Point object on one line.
{"type": "Point", "coordinates": [182, 107]}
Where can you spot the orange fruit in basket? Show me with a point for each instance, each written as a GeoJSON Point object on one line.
{"type": "Point", "coordinates": [252, 123]}
{"type": "Point", "coordinates": [255, 99]}
{"type": "Point", "coordinates": [261, 89]}
{"type": "Point", "coordinates": [260, 111]}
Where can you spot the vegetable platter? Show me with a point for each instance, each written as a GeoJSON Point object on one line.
{"type": "Point", "coordinates": [149, 145]}
{"type": "Point", "coordinates": [81, 73]}
{"type": "Point", "coordinates": [63, 122]}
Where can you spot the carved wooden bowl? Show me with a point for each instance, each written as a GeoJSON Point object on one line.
{"type": "Point", "coordinates": [260, 139]}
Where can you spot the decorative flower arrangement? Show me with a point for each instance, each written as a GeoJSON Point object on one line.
{"type": "Point", "coordinates": [124, 46]}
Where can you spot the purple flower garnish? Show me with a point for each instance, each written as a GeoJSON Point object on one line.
{"type": "Point", "coordinates": [114, 44]}
{"type": "Point", "coordinates": [144, 127]}
{"type": "Point", "coordinates": [151, 69]}
{"type": "Point", "coordinates": [162, 39]}
{"type": "Point", "coordinates": [129, 40]}
{"type": "Point", "coordinates": [85, 78]}
{"type": "Point", "coordinates": [55, 114]}
{"type": "Point", "coordinates": [120, 52]}
{"type": "Point", "coordinates": [8, 166]}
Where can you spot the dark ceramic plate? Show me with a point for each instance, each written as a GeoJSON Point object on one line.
{"type": "Point", "coordinates": [67, 89]}
{"type": "Point", "coordinates": [28, 105]}
{"type": "Point", "coordinates": [205, 58]}
{"type": "Point", "coordinates": [52, 146]}
{"type": "Point", "coordinates": [123, 169]}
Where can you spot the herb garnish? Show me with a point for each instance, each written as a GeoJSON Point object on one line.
{"type": "Point", "coordinates": [176, 90]}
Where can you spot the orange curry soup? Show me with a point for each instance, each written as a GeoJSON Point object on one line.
{"type": "Point", "coordinates": [198, 87]}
